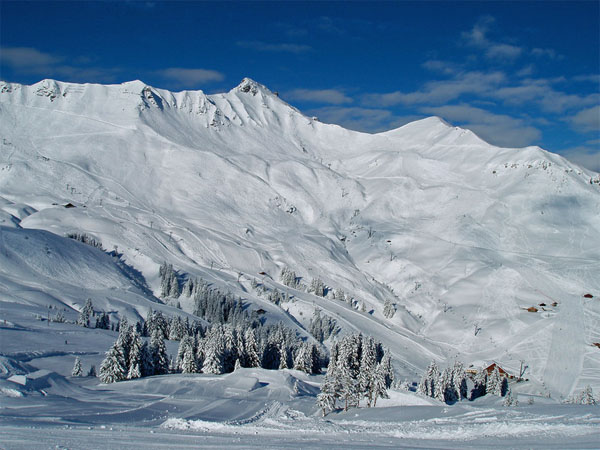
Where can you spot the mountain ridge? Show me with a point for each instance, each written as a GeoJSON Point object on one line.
{"type": "Point", "coordinates": [459, 234]}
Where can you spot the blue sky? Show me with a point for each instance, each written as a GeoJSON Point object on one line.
{"type": "Point", "coordinates": [516, 73]}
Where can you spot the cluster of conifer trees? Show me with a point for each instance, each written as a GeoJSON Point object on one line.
{"type": "Point", "coordinates": [450, 385]}
{"type": "Point", "coordinates": [358, 369]}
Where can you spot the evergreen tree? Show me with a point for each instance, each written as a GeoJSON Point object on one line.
{"type": "Point", "coordinates": [495, 383]}
{"type": "Point", "coordinates": [480, 382]}
{"type": "Point", "coordinates": [158, 354]}
{"type": "Point", "coordinates": [253, 359]}
{"type": "Point", "coordinates": [388, 370]}
{"type": "Point", "coordinates": [368, 366]}
{"type": "Point", "coordinates": [427, 385]}
{"type": "Point", "coordinates": [379, 384]}
{"type": "Point", "coordinates": [214, 352]}
{"type": "Point", "coordinates": [509, 400]}
{"type": "Point", "coordinates": [86, 312]}
{"type": "Point", "coordinates": [188, 364]}
{"type": "Point", "coordinates": [288, 277]}
{"type": "Point", "coordinates": [77, 370]}
{"type": "Point", "coordinates": [317, 287]}
{"type": "Point", "coordinates": [186, 342]}
{"type": "Point", "coordinates": [586, 397]}
{"type": "Point", "coordinates": [389, 309]}
{"type": "Point", "coordinates": [92, 371]}
{"type": "Point", "coordinates": [304, 360]}
{"type": "Point", "coordinates": [445, 389]}
{"type": "Point", "coordinates": [459, 380]}
{"type": "Point", "coordinates": [135, 355]}
{"type": "Point", "coordinates": [111, 369]}
{"type": "Point", "coordinates": [103, 321]}
{"type": "Point", "coordinates": [340, 295]}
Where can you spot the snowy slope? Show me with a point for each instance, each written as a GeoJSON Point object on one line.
{"type": "Point", "coordinates": [461, 235]}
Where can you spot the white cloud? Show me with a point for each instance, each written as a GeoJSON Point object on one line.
{"type": "Point", "coordinates": [27, 58]}
{"type": "Point", "coordinates": [441, 91]}
{"type": "Point", "coordinates": [587, 119]}
{"type": "Point", "coordinates": [503, 51]}
{"type": "Point", "coordinates": [271, 47]}
{"type": "Point", "coordinates": [541, 92]}
{"type": "Point", "coordinates": [30, 61]}
{"type": "Point", "coordinates": [588, 157]}
{"type": "Point", "coordinates": [190, 77]}
{"type": "Point", "coordinates": [331, 96]}
{"type": "Point", "coordinates": [477, 37]}
{"type": "Point", "coordinates": [498, 129]}
{"type": "Point", "coordinates": [546, 52]}
{"type": "Point", "coordinates": [370, 120]}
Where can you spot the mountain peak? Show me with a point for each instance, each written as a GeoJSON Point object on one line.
{"type": "Point", "coordinates": [248, 85]}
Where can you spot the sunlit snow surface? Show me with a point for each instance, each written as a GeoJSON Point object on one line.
{"type": "Point", "coordinates": [230, 185]}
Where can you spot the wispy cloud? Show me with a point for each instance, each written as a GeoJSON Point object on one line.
{"type": "Point", "coordinates": [445, 67]}
{"type": "Point", "coordinates": [478, 37]}
{"type": "Point", "coordinates": [370, 120]}
{"type": "Point", "coordinates": [31, 61]}
{"type": "Point", "coordinates": [190, 77]}
{"type": "Point", "coordinates": [588, 157]}
{"type": "Point", "coordinates": [498, 129]}
{"type": "Point", "coordinates": [441, 91]}
{"type": "Point", "coordinates": [546, 52]}
{"type": "Point", "coordinates": [587, 120]}
{"type": "Point", "coordinates": [541, 92]}
{"type": "Point", "coordinates": [330, 96]}
{"type": "Point", "coordinates": [274, 47]}
{"type": "Point", "coordinates": [27, 58]}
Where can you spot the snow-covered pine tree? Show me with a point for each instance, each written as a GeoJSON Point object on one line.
{"type": "Point", "coordinates": [188, 364]}
{"type": "Point", "coordinates": [102, 321]}
{"type": "Point", "coordinates": [510, 400]}
{"type": "Point", "coordinates": [349, 367]}
{"type": "Point", "coordinates": [111, 369]}
{"type": "Point", "coordinates": [86, 312]}
{"type": "Point", "coordinates": [388, 309]}
{"type": "Point", "coordinates": [231, 354]}
{"type": "Point", "coordinates": [445, 390]}
{"type": "Point", "coordinates": [158, 354]}
{"type": "Point", "coordinates": [252, 358]}
{"type": "Point", "coordinates": [240, 345]}
{"type": "Point", "coordinates": [214, 351]}
{"type": "Point", "coordinates": [340, 295]}
{"type": "Point", "coordinates": [480, 382]}
{"type": "Point", "coordinates": [303, 360]}
{"type": "Point", "coordinates": [368, 366]}
{"type": "Point", "coordinates": [135, 355]}
{"type": "Point", "coordinates": [331, 385]}
{"type": "Point", "coordinates": [188, 287]}
{"type": "Point", "coordinates": [77, 370]}
{"type": "Point", "coordinates": [379, 384]}
{"type": "Point", "coordinates": [288, 277]}
{"type": "Point", "coordinates": [427, 384]}
{"type": "Point", "coordinates": [317, 287]}
{"type": "Point", "coordinates": [586, 397]}
{"type": "Point", "coordinates": [494, 383]}
{"type": "Point", "coordinates": [174, 290]}
{"type": "Point", "coordinates": [459, 380]}
{"type": "Point", "coordinates": [388, 370]}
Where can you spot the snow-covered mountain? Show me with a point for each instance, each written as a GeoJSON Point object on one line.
{"type": "Point", "coordinates": [463, 237]}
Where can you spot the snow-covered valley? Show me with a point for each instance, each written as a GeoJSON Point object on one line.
{"type": "Point", "coordinates": [486, 254]}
